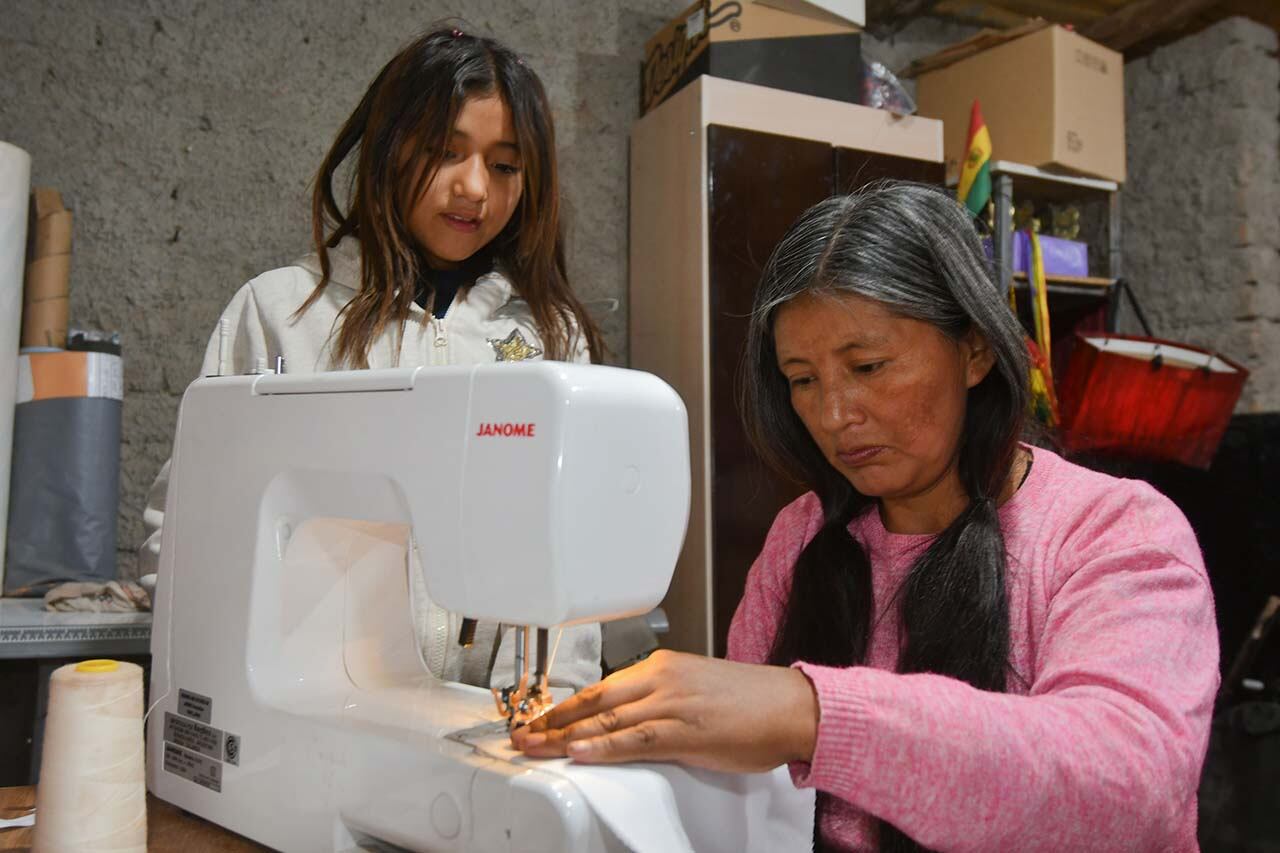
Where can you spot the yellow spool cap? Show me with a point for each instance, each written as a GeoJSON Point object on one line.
{"type": "Point", "coordinates": [97, 666]}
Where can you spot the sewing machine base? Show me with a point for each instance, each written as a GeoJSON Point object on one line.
{"type": "Point", "coordinates": [373, 768]}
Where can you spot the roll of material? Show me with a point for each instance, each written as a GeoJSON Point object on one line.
{"type": "Point", "coordinates": [66, 471]}
{"type": "Point", "coordinates": [46, 295]}
{"type": "Point", "coordinates": [15, 186]}
{"type": "Point", "coordinates": [46, 320]}
{"type": "Point", "coordinates": [92, 794]}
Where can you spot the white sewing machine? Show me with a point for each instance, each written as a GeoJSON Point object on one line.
{"type": "Point", "coordinates": [291, 704]}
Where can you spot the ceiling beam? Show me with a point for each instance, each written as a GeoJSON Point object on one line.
{"type": "Point", "coordinates": [886, 17]}
{"type": "Point", "coordinates": [1144, 20]}
{"type": "Point", "coordinates": [979, 13]}
{"type": "Point", "coordinates": [1061, 11]}
{"type": "Point", "coordinates": [1263, 11]}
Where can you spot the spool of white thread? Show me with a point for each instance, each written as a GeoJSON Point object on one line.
{"type": "Point", "coordinates": [92, 794]}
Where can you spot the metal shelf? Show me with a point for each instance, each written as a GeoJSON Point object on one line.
{"type": "Point", "coordinates": [1090, 291]}
{"type": "Point", "coordinates": [1051, 184]}
{"type": "Point", "coordinates": [27, 630]}
{"type": "Point", "coordinates": [1040, 184]}
{"type": "Point", "coordinates": [1084, 281]}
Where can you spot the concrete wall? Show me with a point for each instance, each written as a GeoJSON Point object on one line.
{"type": "Point", "coordinates": [184, 135]}
{"type": "Point", "coordinates": [1202, 205]}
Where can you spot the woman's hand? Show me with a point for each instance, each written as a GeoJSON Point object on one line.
{"type": "Point", "coordinates": [699, 711]}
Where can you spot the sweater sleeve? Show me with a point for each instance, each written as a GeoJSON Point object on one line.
{"type": "Point", "coordinates": [1103, 753]}
{"type": "Point", "coordinates": [764, 600]}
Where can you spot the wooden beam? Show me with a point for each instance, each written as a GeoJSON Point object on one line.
{"type": "Point", "coordinates": [1144, 20]}
{"type": "Point", "coordinates": [1263, 11]}
{"type": "Point", "coordinates": [979, 14]}
{"type": "Point", "coordinates": [1061, 11]}
{"type": "Point", "coordinates": [886, 17]}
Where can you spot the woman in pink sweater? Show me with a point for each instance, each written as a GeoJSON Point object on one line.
{"type": "Point", "coordinates": [962, 642]}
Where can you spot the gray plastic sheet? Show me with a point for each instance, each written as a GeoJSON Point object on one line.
{"type": "Point", "coordinates": [64, 494]}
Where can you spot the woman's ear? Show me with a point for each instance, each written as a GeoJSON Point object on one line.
{"type": "Point", "coordinates": [978, 356]}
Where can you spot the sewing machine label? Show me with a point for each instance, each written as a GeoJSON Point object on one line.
{"type": "Point", "coordinates": [506, 430]}
{"type": "Point", "coordinates": [206, 740]}
{"type": "Point", "coordinates": [193, 767]}
{"type": "Point", "coordinates": [195, 706]}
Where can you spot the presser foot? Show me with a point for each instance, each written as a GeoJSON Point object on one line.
{"type": "Point", "coordinates": [520, 706]}
{"type": "Point", "coordinates": [530, 698]}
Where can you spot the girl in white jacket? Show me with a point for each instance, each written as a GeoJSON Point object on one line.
{"type": "Point", "coordinates": [447, 251]}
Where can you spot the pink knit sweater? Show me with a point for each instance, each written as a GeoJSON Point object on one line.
{"type": "Point", "coordinates": [1098, 743]}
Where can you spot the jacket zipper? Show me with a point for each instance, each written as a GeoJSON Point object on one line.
{"type": "Point", "coordinates": [440, 345]}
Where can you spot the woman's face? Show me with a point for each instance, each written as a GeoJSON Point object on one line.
{"type": "Point", "coordinates": [474, 193]}
{"type": "Point", "coordinates": [882, 395]}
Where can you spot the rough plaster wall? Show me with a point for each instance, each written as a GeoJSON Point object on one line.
{"type": "Point", "coordinates": [1201, 228]}
{"type": "Point", "coordinates": [184, 135]}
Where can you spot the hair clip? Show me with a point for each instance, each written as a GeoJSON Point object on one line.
{"type": "Point", "coordinates": [456, 33]}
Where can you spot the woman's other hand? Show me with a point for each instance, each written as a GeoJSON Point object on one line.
{"type": "Point", "coordinates": [694, 710]}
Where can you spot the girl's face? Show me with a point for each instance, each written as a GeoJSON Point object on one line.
{"type": "Point", "coordinates": [474, 193]}
{"type": "Point", "coordinates": [882, 395]}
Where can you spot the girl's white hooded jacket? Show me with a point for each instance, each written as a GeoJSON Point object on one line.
{"type": "Point", "coordinates": [485, 323]}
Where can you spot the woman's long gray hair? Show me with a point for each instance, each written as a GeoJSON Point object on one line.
{"type": "Point", "coordinates": [913, 249]}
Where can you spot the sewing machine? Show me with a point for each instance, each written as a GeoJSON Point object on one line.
{"type": "Point", "coordinates": [290, 701]}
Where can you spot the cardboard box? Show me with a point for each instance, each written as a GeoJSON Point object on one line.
{"type": "Point", "coordinates": [813, 54]}
{"type": "Point", "coordinates": [1051, 99]}
{"type": "Point", "coordinates": [840, 11]}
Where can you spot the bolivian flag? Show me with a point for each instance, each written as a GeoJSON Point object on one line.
{"type": "Point", "coordinates": [975, 176]}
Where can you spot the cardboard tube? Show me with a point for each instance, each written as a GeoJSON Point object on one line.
{"type": "Point", "coordinates": [53, 234]}
{"type": "Point", "coordinates": [45, 303]}
{"type": "Point", "coordinates": [46, 200]}
{"type": "Point", "coordinates": [44, 323]}
{"type": "Point", "coordinates": [47, 278]}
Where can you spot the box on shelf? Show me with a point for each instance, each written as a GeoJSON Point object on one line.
{"type": "Point", "coordinates": [837, 11]}
{"type": "Point", "coordinates": [1050, 98]}
{"type": "Point", "coordinates": [817, 52]}
{"type": "Point", "coordinates": [1061, 257]}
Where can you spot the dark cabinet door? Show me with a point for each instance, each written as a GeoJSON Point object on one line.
{"type": "Point", "coordinates": [855, 169]}
{"type": "Point", "coordinates": [758, 184]}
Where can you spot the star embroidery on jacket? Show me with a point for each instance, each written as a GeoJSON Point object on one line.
{"type": "Point", "coordinates": [514, 347]}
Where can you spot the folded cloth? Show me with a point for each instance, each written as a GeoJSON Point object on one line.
{"type": "Point", "coordinates": [111, 597]}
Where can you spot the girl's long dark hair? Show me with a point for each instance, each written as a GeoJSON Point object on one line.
{"type": "Point", "coordinates": [913, 249]}
{"type": "Point", "coordinates": [411, 106]}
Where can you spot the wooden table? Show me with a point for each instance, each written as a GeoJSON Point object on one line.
{"type": "Point", "coordinates": [168, 828]}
